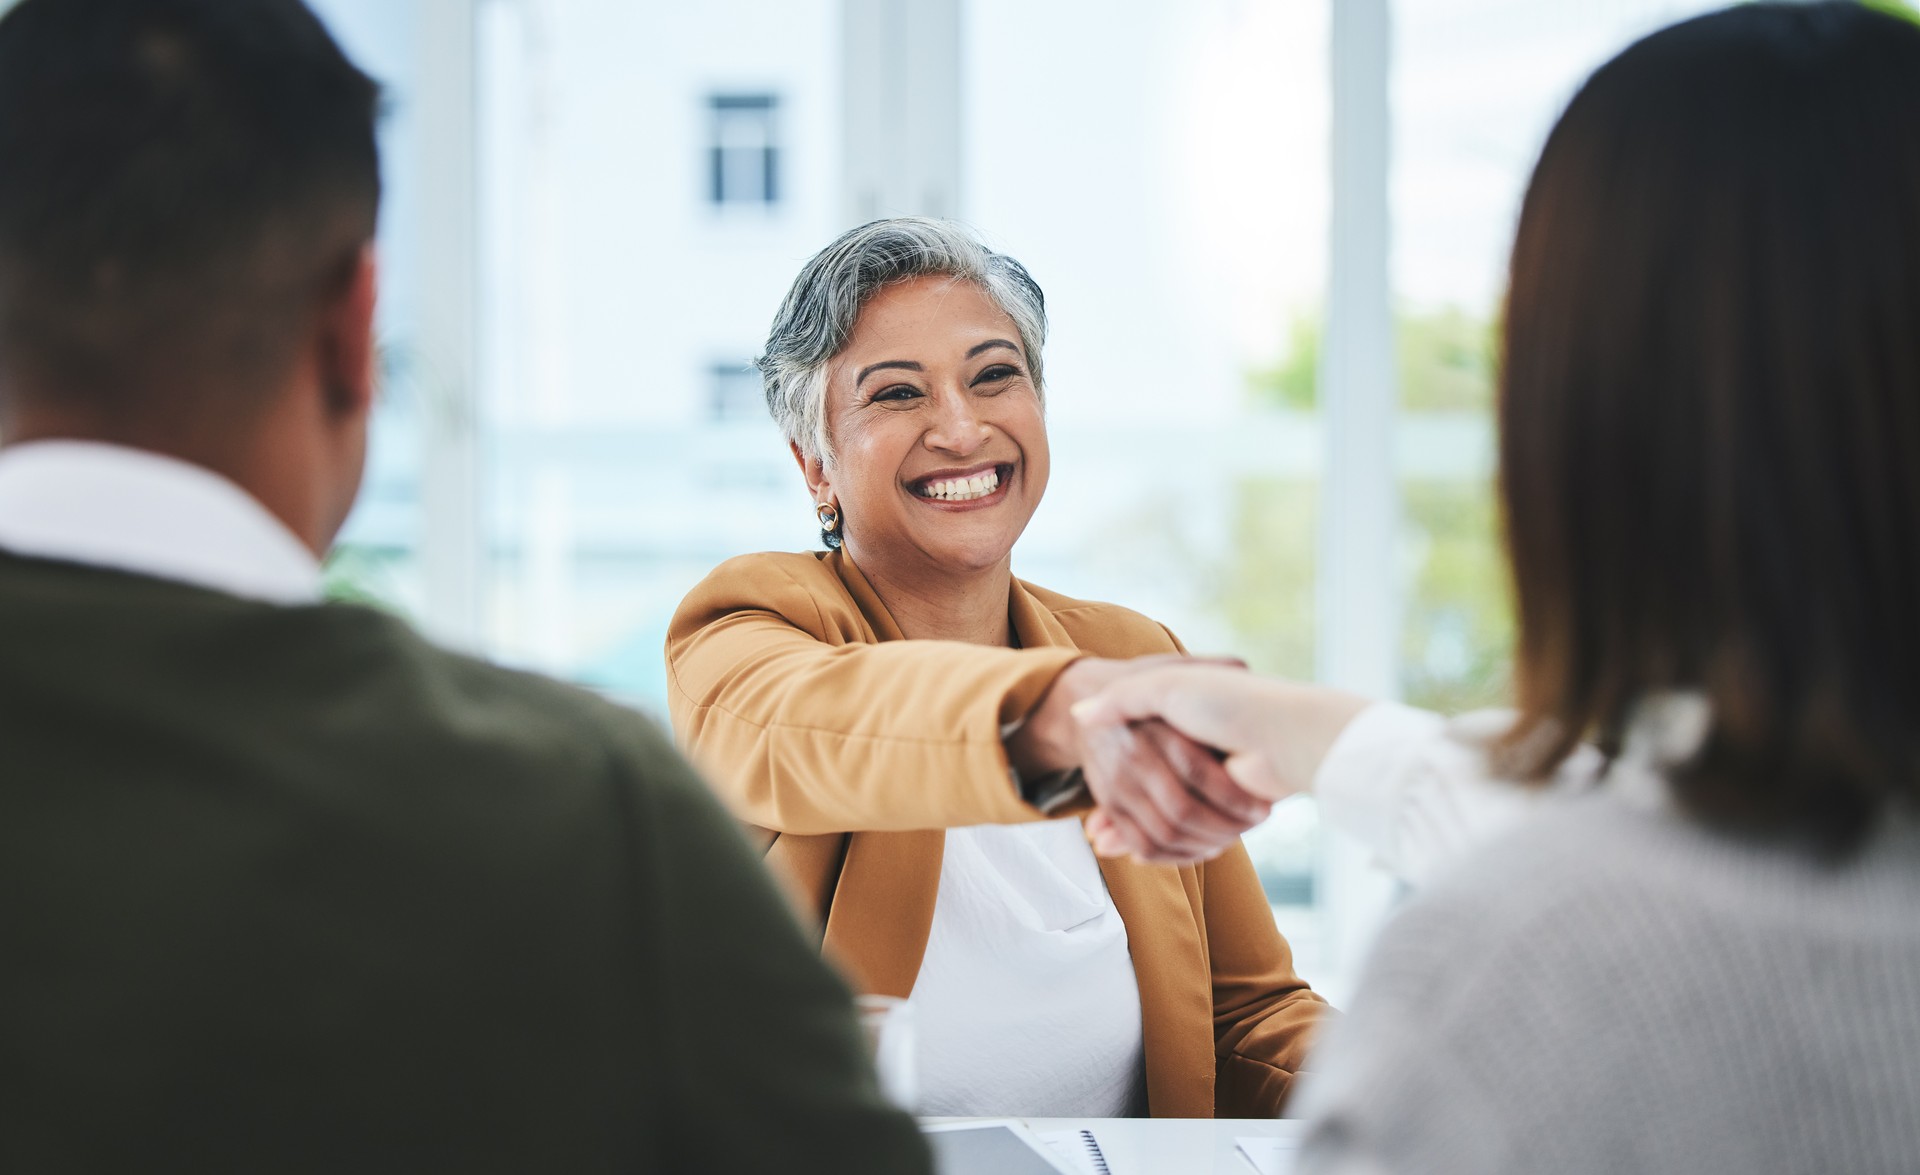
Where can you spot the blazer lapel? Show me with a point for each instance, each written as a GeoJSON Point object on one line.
{"type": "Point", "coordinates": [882, 910]}
{"type": "Point", "coordinates": [1033, 626]}
{"type": "Point", "coordinates": [1176, 991]}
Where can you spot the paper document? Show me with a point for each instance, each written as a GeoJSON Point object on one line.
{"type": "Point", "coordinates": [1269, 1156]}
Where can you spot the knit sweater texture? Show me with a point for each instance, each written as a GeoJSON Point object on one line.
{"type": "Point", "coordinates": [1615, 988]}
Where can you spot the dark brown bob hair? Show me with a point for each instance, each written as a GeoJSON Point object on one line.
{"type": "Point", "coordinates": [1710, 414]}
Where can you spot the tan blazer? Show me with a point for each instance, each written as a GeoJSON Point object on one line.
{"type": "Point", "coordinates": [849, 750]}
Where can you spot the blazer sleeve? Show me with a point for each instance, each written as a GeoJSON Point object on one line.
{"type": "Point", "coordinates": [1264, 1015]}
{"type": "Point", "coordinates": [805, 727]}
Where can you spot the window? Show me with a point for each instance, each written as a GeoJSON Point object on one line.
{"type": "Point", "coordinates": [744, 159]}
{"type": "Point", "coordinates": [1203, 473]}
{"type": "Point", "coordinates": [1477, 85]}
{"type": "Point", "coordinates": [735, 392]}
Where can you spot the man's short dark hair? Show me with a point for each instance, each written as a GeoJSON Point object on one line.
{"type": "Point", "coordinates": [1710, 413]}
{"type": "Point", "coordinates": [181, 181]}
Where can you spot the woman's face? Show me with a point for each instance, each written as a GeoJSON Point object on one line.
{"type": "Point", "coordinates": [939, 443]}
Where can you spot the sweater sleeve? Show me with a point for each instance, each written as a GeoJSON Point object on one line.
{"type": "Point", "coordinates": [1264, 1015]}
{"type": "Point", "coordinates": [804, 727]}
{"type": "Point", "coordinates": [764, 1065]}
{"type": "Point", "coordinates": [1416, 789]}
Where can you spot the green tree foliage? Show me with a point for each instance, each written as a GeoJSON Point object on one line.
{"type": "Point", "coordinates": [1899, 8]}
{"type": "Point", "coordinates": [1294, 382]}
{"type": "Point", "coordinates": [1456, 637]}
{"type": "Point", "coordinates": [1267, 590]}
{"type": "Point", "coordinates": [1444, 360]}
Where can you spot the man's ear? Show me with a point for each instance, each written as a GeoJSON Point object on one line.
{"type": "Point", "coordinates": [347, 354]}
{"type": "Point", "coordinates": [819, 484]}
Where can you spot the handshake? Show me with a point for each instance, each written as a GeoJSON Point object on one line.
{"type": "Point", "coordinates": [1181, 754]}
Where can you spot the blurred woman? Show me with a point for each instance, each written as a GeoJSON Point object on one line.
{"type": "Point", "coordinates": [892, 715]}
{"type": "Point", "coordinates": [1710, 467]}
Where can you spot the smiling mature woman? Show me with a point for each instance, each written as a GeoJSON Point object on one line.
{"type": "Point", "coordinates": [890, 716]}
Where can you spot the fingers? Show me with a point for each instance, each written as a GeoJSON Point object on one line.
{"type": "Point", "coordinates": [1162, 798]}
{"type": "Point", "coordinates": [1196, 810]}
{"type": "Point", "coordinates": [1206, 777]}
{"type": "Point", "coordinates": [1166, 660]}
{"type": "Point", "coordinates": [1218, 661]}
{"type": "Point", "coordinates": [1254, 774]}
{"type": "Point", "coordinates": [1187, 695]}
{"type": "Point", "coordinates": [1124, 772]}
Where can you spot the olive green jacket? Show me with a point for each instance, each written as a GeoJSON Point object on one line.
{"type": "Point", "coordinates": [289, 889]}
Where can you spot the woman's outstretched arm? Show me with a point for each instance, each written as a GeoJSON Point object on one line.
{"type": "Point", "coordinates": [1417, 789]}
{"type": "Point", "coordinates": [805, 727]}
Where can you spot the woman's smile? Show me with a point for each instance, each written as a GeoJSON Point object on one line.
{"type": "Point", "coordinates": [974, 488]}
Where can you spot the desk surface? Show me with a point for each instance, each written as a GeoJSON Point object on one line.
{"type": "Point", "coordinates": [1169, 1146]}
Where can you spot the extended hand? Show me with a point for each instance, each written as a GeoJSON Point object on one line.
{"type": "Point", "coordinates": [1272, 733]}
{"type": "Point", "coordinates": [1163, 798]}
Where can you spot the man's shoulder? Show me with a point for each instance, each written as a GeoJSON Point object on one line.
{"type": "Point", "coordinates": [354, 691]}
{"type": "Point", "coordinates": [1108, 630]}
{"type": "Point", "coordinates": [458, 699]}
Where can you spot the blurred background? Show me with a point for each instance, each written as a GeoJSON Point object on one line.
{"type": "Point", "coordinates": [1271, 233]}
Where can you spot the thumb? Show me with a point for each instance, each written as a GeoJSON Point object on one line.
{"type": "Point", "coordinates": [1133, 698]}
{"type": "Point", "coordinates": [1254, 773]}
{"type": "Point", "coordinates": [1214, 706]}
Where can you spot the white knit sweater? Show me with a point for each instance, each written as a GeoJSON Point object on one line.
{"type": "Point", "coordinates": [1612, 988]}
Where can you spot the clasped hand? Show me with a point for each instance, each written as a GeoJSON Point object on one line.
{"type": "Point", "coordinates": [1160, 796]}
{"type": "Point", "coordinates": [1181, 754]}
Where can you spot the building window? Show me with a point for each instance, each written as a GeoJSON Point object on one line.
{"type": "Point", "coordinates": [735, 392]}
{"type": "Point", "coordinates": [744, 160]}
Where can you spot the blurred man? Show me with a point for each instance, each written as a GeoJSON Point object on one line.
{"type": "Point", "coordinates": [286, 888]}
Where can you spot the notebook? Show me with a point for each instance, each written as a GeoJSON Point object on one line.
{"type": "Point", "coordinates": [1077, 1150]}
{"type": "Point", "coordinates": [990, 1148]}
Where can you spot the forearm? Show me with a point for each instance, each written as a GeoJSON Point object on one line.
{"type": "Point", "coordinates": [804, 737]}
{"type": "Point", "coordinates": [1293, 726]}
{"type": "Point", "coordinates": [1274, 733]}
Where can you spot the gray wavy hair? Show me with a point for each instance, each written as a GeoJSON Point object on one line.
{"type": "Point", "coordinates": [816, 319]}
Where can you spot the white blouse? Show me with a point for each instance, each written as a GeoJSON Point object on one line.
{"type": "Point", "coordinates": [1026, 1002]}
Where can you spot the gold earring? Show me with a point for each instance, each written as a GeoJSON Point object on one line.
{"type": "Point", "coordinates": [828, 516]}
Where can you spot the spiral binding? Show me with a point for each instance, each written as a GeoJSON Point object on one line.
{"type": "Point", "coordinates": [1093, 1153]}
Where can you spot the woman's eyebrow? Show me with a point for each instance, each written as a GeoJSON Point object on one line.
{"type": "Point", "coordinates": [889, 365]}
{"type": "Point", "coordinates": [990, 344]}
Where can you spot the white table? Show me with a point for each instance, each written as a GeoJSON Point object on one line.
{"type": "Point", "coordinates": [1169, 1146]}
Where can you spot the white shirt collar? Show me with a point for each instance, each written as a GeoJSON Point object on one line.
{"type": "Point", "coordinates": [131, 510]}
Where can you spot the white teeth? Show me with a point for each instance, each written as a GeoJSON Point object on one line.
{"type": "Point", "coordinates": [964, 489]}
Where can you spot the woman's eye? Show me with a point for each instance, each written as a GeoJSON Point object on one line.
{"type": "Point", "coordinates": [899, 393]}
{"type": "Point", "coordinates": [996, 374]}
